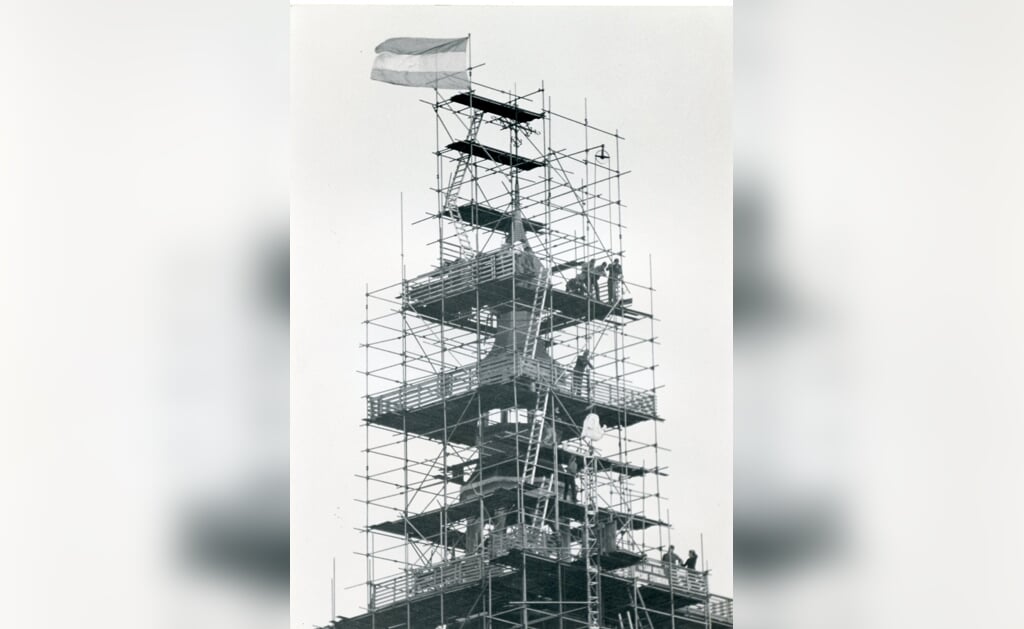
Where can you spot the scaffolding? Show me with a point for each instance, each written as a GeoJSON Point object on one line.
{"type": "Point", "coordinates": [512, 470]}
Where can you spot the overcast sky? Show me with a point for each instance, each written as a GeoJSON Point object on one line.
{"type": "Point", "coordinates": [663, 77]}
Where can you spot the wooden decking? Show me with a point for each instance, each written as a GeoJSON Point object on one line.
{"type": "Point", "coordinates": [505, 110]}
{"type": "Point", "coordinates": [475, 149]}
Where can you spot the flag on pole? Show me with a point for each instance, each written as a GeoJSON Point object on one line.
{"type": "Point", "coordinates": [422, 62]}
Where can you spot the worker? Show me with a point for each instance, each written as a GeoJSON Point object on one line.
{"type": "Point", "coordinates": [569, 487]}
{"type": "Point", "coordinates": [579, 373]}
{"type": "Point", "coordinates": [614, 280]}
{"type": "Point", "coordinates": [671, 558]}
{"type": "Point", "coordinates": [594, 274]}
{"type": "Point", "coordinates": [691, 561]}
{"type": "Point", "coordinates": [527, 263]}
{"type": "Point", "coordinates": [590, 277]}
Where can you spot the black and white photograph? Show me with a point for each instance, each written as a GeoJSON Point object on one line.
{"type": "Point", "coordinates": [511, 235]}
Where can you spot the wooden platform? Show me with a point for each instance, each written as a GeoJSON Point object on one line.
{"type": "Point", "coordinates": [455, 294]}
{"type": "Point", "coordinates": [451, 404]}
{"type": "Point", "coordinates": [451, 592]}
{"type": "Point", "coordinates": [428, 526]}
{"type": "Point", "coordinates": [475, 149]}
{"type": "Point", "coordinates": [506, 440]}
{"type": "Point", "coordinates": [494, 220]}
{"type": "Point", "coordinates": [498, 108]}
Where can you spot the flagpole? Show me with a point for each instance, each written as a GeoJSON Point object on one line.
{"type": "Point", "coordinates": [469, 53]}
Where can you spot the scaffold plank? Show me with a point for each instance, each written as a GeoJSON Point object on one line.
{"type": "Point", "coordinates": [429, 525]}
{"type": "Point", "coordinates": [511, 112]}
{"type": "Point", "coordinates": [495, 220]}
{"type": "Point", "coordinates": [499, 380]}
{"type": "Point", "coordinates": [446, 591]}
{"type": "Point", "coordinates": [546, 460]}
{"type": "Point", "coordinates": [475, 149]}
{"type": "Point", "coordinates": [453, 294]}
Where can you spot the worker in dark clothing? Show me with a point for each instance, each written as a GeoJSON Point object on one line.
{"type": "Point", "coordinates": [591, 276]}
{"type": "Point", "coordinates": [569, 487]}
{"type": "Point", "coordinates": [691, 561]}
{"type": "Point", "coordinates": [614, 280]}
{"type": "Point", "coordinates": [580, 373]}
{"type": "Point", "coordinates": [672, 562]}
{"type": "Point", "coordinates": [576, 285]}
{"type": "Point", "coordinates": [671, 558]}
{"type": "Point", "coordinates": [587, 275]}
{"type": "Point", "coordinates": [596, 273]}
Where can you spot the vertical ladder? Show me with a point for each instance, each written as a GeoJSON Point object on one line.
{"type": "Point", "coordinates": [537, 314]}
{"type": "Point", "coordinates": [548, 488]}
{"type": "Point", "coordinates": [643, 606]}
{"type": "Point", "coordinates": [590, 541]}
{"type": "Point", "coordinates": [451, 195]}
{"type": "Point", "coordinates": [536, 435]}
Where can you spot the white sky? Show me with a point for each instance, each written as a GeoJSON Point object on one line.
{"type": "Point", "coordinates": [663, 77]}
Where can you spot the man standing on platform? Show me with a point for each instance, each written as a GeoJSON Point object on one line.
{"type": "Point", "coordinates": [614, 280]}
{"type": "Point", "coordinates": [671, 561]}
{"type": "Point", "coordinates": [691, 561]}
{"type": "Point", "coordinates": [595, 279]}
{"type": "Point", "coordinates": [671, 558]}
{"type": "Point", "coordinates": [571, 470]}
{"type": "Point", "coordinates": [579, 374]}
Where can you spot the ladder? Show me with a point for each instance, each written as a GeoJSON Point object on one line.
{"type": "Point", "coordinates": [451, 194]}
{"type": "Point", "coordinates": [537, 430]}
{"type": "Point", "coordinates": [590, 542]}
{"type": "Point", "coordinates": [537, 314]}
{"type": "Point", "coordinates": [536, 435]}
{"type": "Point", "coordinates": [548, 488]}
{"type": "Point", "coordinates": [641, 605]}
